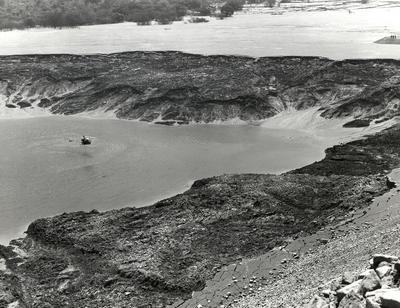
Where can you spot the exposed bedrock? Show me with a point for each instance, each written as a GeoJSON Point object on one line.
{"type": "Point", "coordinates": [174, 86]}
{"type": "Point", "coordinates": [376, 287]}
{"type": "Point", "coordinates": [154, 256]}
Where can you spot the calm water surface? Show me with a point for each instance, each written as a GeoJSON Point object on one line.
{"type": "Point", "coordinates": [44, 170]}
{"type": "Point", "coordinates": [334, 34]}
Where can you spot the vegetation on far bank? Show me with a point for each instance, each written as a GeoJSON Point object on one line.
{"type": "Point", "coordinates": [23, 14]}
{"type": "Point", "coordinates": [70, 13]}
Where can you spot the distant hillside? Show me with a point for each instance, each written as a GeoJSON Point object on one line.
{"type": "Point", "coordinates": [70, 13]}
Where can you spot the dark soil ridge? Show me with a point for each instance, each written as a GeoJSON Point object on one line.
{"type": "Point", "coordinates": [155, 256]}
{"type": "Point", "coordinates": [176, 87]}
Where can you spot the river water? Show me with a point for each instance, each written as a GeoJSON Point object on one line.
{"type": "Point", "coordinates": [45, 171]}
{"type": "Point", "coordinates": [334, 34]}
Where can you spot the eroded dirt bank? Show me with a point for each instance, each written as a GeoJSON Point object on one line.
{"type": "Point", "coordinates": [173, 87]}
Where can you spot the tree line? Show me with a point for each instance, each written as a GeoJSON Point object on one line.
{"type": "Point", "coordinates": [71, 13]}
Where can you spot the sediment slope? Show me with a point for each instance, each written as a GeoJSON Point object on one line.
{"type": "Point", "coordinates": [174, 87]}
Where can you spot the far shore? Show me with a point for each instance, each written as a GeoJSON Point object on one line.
{"type": "Point", "coordinates": [352, 38]}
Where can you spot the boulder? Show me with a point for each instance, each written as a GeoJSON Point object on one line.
{"type": "Point", "coordinates": [390, 299]}
{"type": "Point", "coordinates": [352, 300]}
{"type": "Point", "coordinates": [384, 263]}
{"type": "Point", "coordinates": [333, 301]}
{"type": "Point", "coordinates": [377, 293]}
{"type": "Point", "coordinates": [378, 258]}
{"type": "Point", "coordinates": [371, 302]}
{"type": "Point", "coordinates": [396, 267]}
{"type": "Point", "coordinates": [387, 281]}
{"type": "Point", "coordinates": [335, 284]}
{"type": "Point", "coordinates": [364, 274]}
{"type": "Point", "coordinates": [348, 278]}
{"type": "Point", "coordinates": [383, 271]}
{"type": "Point", "coordinates": [327, 292]}
{"type": "Point", "coordinates": [353, 287]}
{"type": "Point", "coordinates": [318, 302]}
{"type": "Point", "coordinates": [370, 282]}
{"type": "Point", "coordinates": [382, 298]}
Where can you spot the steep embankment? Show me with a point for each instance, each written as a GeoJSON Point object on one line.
{"type": "Point", "coordinates": [176, 87]}
{"type": "Point", "coordinates": [327, 265]}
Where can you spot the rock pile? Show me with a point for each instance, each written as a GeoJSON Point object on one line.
{"type": "Point", "coordinates": [376, 287]}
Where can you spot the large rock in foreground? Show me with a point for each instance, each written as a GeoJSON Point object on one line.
{"type": "Point", "coordinates": [367, 293]}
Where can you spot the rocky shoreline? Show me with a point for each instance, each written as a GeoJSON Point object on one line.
{"type": "Point", "coordinates": [158, 255]}
{"type": "Point", "coordinates": [154, 256]}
